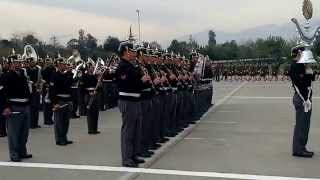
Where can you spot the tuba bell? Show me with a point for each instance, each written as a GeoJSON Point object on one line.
{"type": "Point", "coordinates": [29, 52]}
{"type": "Point", "coordinates": [75, 58]}
{"type": "Point", "coordinates": [307, 57]}
{"type": "Point", "coordinates": [90, 62]}
{"type": "Point", "coordinates": [100, 65]}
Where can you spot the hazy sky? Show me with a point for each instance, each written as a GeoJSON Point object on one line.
{"type": "Point", "coordinates": [161, 19]}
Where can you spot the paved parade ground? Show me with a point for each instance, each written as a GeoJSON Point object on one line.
{"type": "Point", "coordinates": [246, 135]}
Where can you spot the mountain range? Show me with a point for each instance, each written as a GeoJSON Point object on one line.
{"type": "Point", "coordinates": [287, 31]}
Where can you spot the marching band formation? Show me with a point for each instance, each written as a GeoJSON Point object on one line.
{"type": "Point", "coordinates": [158, 94]}
{"type": "Point", "coordinates": [251, 71]}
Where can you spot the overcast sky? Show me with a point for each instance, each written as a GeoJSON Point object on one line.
{"type": "Point", "coordinates": [161, 19]}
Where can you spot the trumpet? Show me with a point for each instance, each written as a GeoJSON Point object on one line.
{"type": "Point", "coordinates": [100, 65]}
{"type": "Point", "coordinates": [75, 58]}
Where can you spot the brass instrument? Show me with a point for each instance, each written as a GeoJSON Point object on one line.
{"type": "Point", "coordinates": [100, 69]}
{"type": "Point", "coordinates": [30, 53]}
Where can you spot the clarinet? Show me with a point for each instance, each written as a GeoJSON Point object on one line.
{"type": "Point", "coordinates": [93, 97]}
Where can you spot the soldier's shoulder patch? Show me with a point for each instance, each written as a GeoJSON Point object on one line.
{"type": "Point", "coordinates": [123, 76]}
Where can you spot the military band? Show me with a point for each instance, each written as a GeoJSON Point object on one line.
{"type": "Point", "coordinates": [158, 94]}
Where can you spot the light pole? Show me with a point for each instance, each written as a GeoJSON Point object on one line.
{"type": "Point", "coordinates": [139, 25]}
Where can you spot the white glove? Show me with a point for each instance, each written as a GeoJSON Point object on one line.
{"type": "Point", "coordinates": [307, 105]}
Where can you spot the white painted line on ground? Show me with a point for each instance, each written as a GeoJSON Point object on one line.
{"type": "Point", "coordinates": [221, 101]}
{"type": "Point", "coordinates": [266, 97]}
{"type": "Point", "coordinates": [219, 122]}
{"type": "Point", "coordinates": [269, 85]}
{"type": "Point", "coordinates": [195, 138]}
{"type": "Point", "coordinates": [226, 111]}
{"type": "Point", "coordinates": [151, 171]}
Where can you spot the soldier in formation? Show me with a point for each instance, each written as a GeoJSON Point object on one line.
{"type": "Point", "coordinates": [255, 71]}
{"type": "Point", "coordinates": [159, 96]}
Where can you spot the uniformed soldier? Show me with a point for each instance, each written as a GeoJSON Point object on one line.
{"type": "Point", "coordinates": [217, 72]}
{"type": "Point", "coordinates": [3, 129]}
{"type": "Point", "coordinates": [62, 102]}
{"type": "Point", "coordinates": [17, 109]}
{"type": "Point", "coordinates": [47, 75]}
{"type": "Point", "coordinates": [163, 94]}
{"type": "Point", "coordinates": [109, 90]}
{"type": "Point", "coordinates": [90, 84]}
{"type": "Point", "coordinates": [156, 107]}
{"type": "Point", "coordinates": [301, 76]}
{"type": "Point", "coordinates": [173, 80]}
{"type": "Point", "coordinates": [75, 98]}
{"type": "Point", "coordinates": [129, 81]}
{"type": "Point", "coordinates": [146, 106]}
{"type": "Point", "coordinates": [34, 75]}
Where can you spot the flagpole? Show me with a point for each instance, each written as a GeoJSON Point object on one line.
{"type": "Point", "coordinates": [139, 25]}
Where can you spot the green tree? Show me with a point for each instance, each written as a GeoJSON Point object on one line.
{"type": "Point", "coordinates": [155, 45]}
{"type": "Point", "coordinates": [73, 44]}
{"type": "Point", "coordinates": [111, 44]}
{"type": "Point", "coordinates": [179, 48]}
{"type": "Point", "coordinates": [91, 42]}
{"type": "Point", "coordinates": [212, 38]}
{"type": "Point", "coordinates": [30, 39]}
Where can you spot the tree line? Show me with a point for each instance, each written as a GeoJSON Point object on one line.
{"type": "Point", "coordinates": [271, 47]}
{"type": "Point", "coordinates": [86, 43]}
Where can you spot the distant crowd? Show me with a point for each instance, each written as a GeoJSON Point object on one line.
{"type": "Point", "coordinates": [255, 72]}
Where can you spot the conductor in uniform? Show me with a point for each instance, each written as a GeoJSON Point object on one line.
{"type": "Point", "coordinates": [302, 76]}
{"type": "Point", "coordinates": [129, 80]}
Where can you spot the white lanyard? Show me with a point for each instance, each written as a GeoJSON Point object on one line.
{"type": "Point", "coordinates": [306, 103]}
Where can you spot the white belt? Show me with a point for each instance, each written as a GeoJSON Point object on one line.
{"type": "Point", "coordinates": [91, 89]}
{"type": "Point", "coordinates": [24, 100]}
{"type": "Point", "coordinates": [189, 86]}
{"type": "Point", "coordinates": [107, 80]}
{"type": "Point", "coordinates": [130, 94]}
{"type": "Point", "coordinates": [64, 95]}
{"type": "Point", "coordinates": [74, 87]}
{"type": "Point", "coordinates": [147, 90]}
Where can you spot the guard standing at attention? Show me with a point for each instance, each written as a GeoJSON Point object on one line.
{"type": "Point", "coordinates": [129, 80]}
{"type": "Point", "coordinates": [301, 75]}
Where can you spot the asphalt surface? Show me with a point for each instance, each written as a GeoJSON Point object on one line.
{"type": "Point", "coordinates": [249, 132]}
